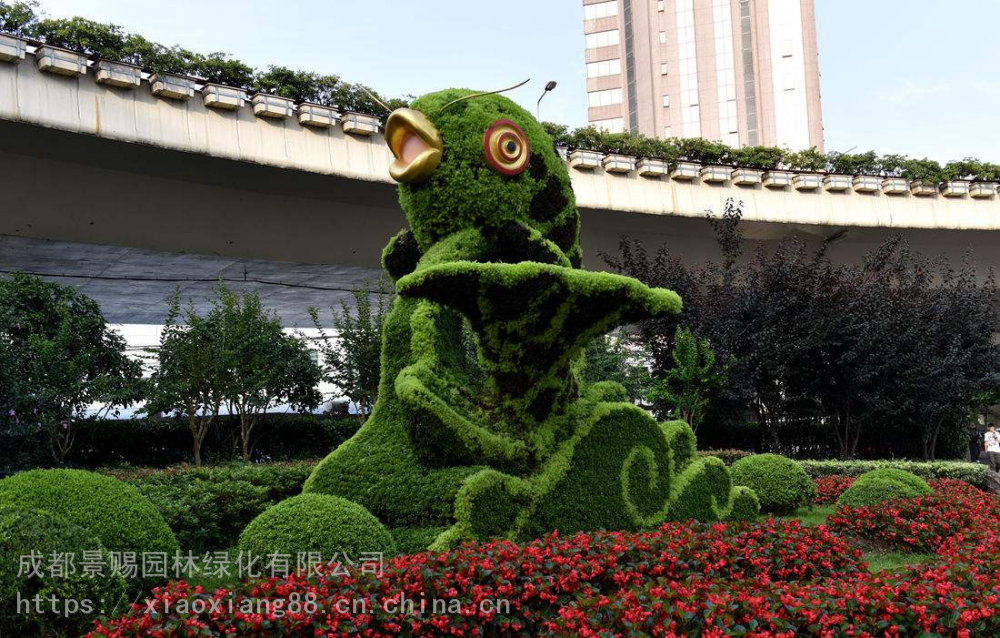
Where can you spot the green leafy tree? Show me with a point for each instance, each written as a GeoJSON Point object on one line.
{"type": "Point", "coordinates": [263, 367]}
{"type": "Point", "coordinates": [57, 357]}
{"type": "Point", "coordinates": [18, 18]}
{"type": "Point", "coordinates": [687, 387]}
{"type": "Point", "coordinates": [191, 379]}
{"type": "Point", "coordinates": [353, 355]}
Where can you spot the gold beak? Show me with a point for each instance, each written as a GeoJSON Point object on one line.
{"type": "Point", "coordinates": [415, 143]}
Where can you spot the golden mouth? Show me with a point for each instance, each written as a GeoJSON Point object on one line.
{"type": "Point", "coordinates": [415, 143]}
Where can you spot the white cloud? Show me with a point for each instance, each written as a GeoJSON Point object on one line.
{"type": "Point", "coordinates": [906, 91]}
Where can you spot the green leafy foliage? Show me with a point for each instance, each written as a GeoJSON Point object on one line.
{"type": "Point", "coordinates": [620, 357]}
{"type": "Point", "coordinates": [882, 485]}
{"type": "Point", "coordinates": [971, 473]}
{"type": "Point", "coordinates": [728, 456]}
{"type": "Point", "coordinates": [329, 525]}
{"type": "Point", "coordinates": [684, 390]}
{"type": "Point", "coordinates": [28, 536]}
{"type": "Point", "coordinates": [113, 511]}
{"type": "Point", "coordinates": [746, 505]}
{"type": "Point", "coordinates": [58, 357]}
{"type": "Point", "coordinates": [353, 357]}
{"type": "Point", "coordinates": [18, 18]}
{"type": "Point", "coordinates": [781, 485]}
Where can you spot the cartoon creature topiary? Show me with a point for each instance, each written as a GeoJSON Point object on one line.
{"type": "Point", "coordinates": [522, 448]}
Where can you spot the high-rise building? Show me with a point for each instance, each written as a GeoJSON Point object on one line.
{"type": "Point", "coordinates": [744, 72]}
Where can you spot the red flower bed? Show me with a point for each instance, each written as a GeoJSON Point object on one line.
{"type": "Point", "coordinates": [770, 578]}
{"type": "Point", "coordinates": [829, 488]}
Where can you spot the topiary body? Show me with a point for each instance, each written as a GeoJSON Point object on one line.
{"type": "Point", "coordinates": [781, 485]}
{"type": "Point", "coordinates": [879, 486]}
{"type": "Point", "coordinates": [523, 448]}
{"type": "Point", "coordinates": [28, 533]}
{"type": "Point", "coordinates": [331, 526]}
{"type": "Point", "coordinates": [113, 511]}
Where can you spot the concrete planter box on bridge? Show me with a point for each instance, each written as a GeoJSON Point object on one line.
{"type": "Point", "coordinates": [61, 61]}
{"type": "Point", "coordinates": [777, 179]}
{"type": "Point", "coordinates": [317, 115]}
{"type": "Point", "coordinates": [716, 174]}
{"type": "Point", "coordinates": [807, 182]}
{"type": "Point", "coordinates": [920, 188]}
{"type": "Point", "coordinates": [837, 183]}
{"type": "Point", "coordinates": [226, 98]}
{"type": "Point", "coordinates": [652, 167]}
{"type": "Point", "coordinates": [121, 75]}
{"type": "Point", "coordinates": [895, 186]}
{"type": "Point", "coordinates": [563, 152]}
{"type": "Point", "coordinates": [684, 171]}
{"type": "Point", "coordinates": [583, 160]}
{"type": "Point", "coordinates": [171, 87]}
{"type": "Point", "coordinates": [866, 184]}
{"type": "Point", "coordinates": [955, 188]}
{"type": "Point", "coordinates": [360, 124]}
{"type": "Point", "coordinates": [747, 176]}
{"type": "Point", "coordinates": [982, 190]}
{"type": "Point", "coordinates": [274, 107]}
{"type": "Point", "coordinates": [617, 163]}
{"type": "Point", "coordinates": [12, 48]}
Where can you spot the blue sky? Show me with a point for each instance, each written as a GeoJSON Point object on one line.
{"type": "Point", "coordinates": [903, 76]}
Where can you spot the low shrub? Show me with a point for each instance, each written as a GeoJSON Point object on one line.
{"type": "Point", "coordinates": [728, 456]}
{"type": "Point", "coordinates": [971, 473]}
{"type": "Point", "coordinates": [882, 485]}
{"type": "Point", "coordinates": [26, 533]}
{"type": "Point", "coordinates": [781, 485]}
{"type": "Point", "coordinates": [208, 507]}
{"type": "Point", "coordinates": [329, 525]}
{"type": "Point", "coordinates": [113, 511]}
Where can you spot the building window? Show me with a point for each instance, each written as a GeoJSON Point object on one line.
{"type": "Point", "coordinates": [600, 10]}
{"type": "Point", "coordinates": [666, 101]}
{"type": "Point", "coordinates": [687, 68]}
{"type": "Point", "coordinates": [661, 5]}
{"type": "Point", "coordinates": [666, 132]}
{"type": "Point", "coordinates": [725, 72]}
{"type": "Point", "coordinates": [612, 125]}
{"type": "Point", "coordinates": [663, 37]}
{"type": "Point", "coordinates": [604, 98]}
{"type": "Point", "coordinates": [663, 68]}
{"type": "Point", "coordinates": [604, 67]}
{"type": "Point", "coordinates": [602, 39]}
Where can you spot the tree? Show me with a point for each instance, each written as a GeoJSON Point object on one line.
{"type": "Point", "coordinates": [687, 387]}
{"type": "Point", "coordinates": [263, 367]}
{"type": "Point", "coordinates": [58, 357]}
{"type": "Point", "coordinates": [619, 356]}
{"type": "Point", "coordinates": [191, 377]}
{"type": "Point", "coordinates": [353, 355]}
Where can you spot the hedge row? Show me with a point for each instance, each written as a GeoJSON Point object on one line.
{"type": "Point", "coordinates": [770, 158]}
{"type": "Point", "coordinates": [207, 508]}
{"type": "Point", "coordinates": [164, 442]}
{"type": "Point", "coordinates": [111, 42]}
{"type": "Point", "coordinates": [971, 473]}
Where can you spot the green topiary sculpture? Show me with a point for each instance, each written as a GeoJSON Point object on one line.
{"type": "Point", "coordinates": [779, 482]}
{"type": "Point", "coordinates": [327, 525]}
{"type": "Point", "coordinates": [878, 486]}
{"type": "Point", "coordinates": [522, 448]}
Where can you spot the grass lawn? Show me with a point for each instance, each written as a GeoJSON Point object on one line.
{"type": "Point", "coordinates": [881, 561]}
{"type": "Point", "coordinates": [810, 515]}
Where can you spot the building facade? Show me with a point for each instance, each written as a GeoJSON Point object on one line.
{"type": "Point", "coordinates": [743, 72]}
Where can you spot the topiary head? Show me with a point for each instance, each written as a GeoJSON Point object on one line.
{"type": "Point", "coordinates": [479, 163]}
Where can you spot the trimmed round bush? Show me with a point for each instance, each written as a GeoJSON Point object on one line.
{"type": "Point", "coordinates": [113, 511]}
{"type": "Point", "coordinates": [330, 525]}
{"type": "Point", "coordinates": [781, 485]}
{"type": "Point", "coordinates": [746, 505]}
{"type": "Point", "coordinates": [882, 485]}
{"type": "Point", "coordinates": [28, 533]}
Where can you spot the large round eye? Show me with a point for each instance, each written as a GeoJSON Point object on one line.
{"type": "Point", "coordinates": [506, 147]}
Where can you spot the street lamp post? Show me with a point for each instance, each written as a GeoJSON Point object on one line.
{"type": "Point", "coordinates": [548, 87]}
